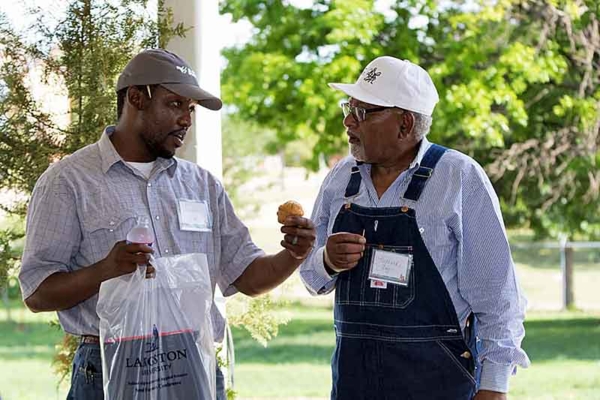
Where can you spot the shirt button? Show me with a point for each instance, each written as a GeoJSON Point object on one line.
{"type": "Point", "coordinates": [167, 251]}
{"type": "Point", "coordinates": [158, 217]}
{"type": "Point", "coordinates": [111, 223]}
{"type": "Point", "coordinates": [421, 230]}
{"type": "Point", "coordinates": [149, 184]}
{"type": "Point", "coordinates": [111, 230]}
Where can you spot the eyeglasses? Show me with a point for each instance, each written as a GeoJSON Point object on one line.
{"type": "Point", "coordinates": [358, 113]}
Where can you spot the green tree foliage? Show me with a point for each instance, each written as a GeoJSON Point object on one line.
{"type": "Point", "coordinates": [95, 42]}
{"type": "Point", "coordinates": [9, 257]}
{"type": "Point", "coordinates": [28, 140]}
{"type": "Point", "coordinates": [86, 51]}
{"type": "Point", "coordinates": [520, 80]}
{"type": "Point", "coordinates": [28, 137]}
{"type": "Point", "coordinates": [518, 83]}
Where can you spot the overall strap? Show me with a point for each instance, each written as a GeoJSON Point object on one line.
{"type": "Point", "coordinates": [421, 175]}
{"type": "Point", "coordinates": [355, 179]}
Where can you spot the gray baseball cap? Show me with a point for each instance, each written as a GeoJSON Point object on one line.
{"type": "Point", "coordinates": [161, 67]}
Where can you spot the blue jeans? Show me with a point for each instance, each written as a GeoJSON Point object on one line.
{"type": "Point", "coordinates": [220, 385]}
{"type": "Point", "coordinates": [86, 377]}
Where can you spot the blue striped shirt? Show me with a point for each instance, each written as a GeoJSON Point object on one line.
{"type": "Point", "coordinates": [459, 218]}
{"type": "Point", "coordinates": [82, 205]}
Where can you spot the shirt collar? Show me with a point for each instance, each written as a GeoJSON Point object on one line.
{"type": "Point", "coordinates": [110, 156]}
{"type": "Point", "coordinates": [108, 153]}
{"type": "Point", "coordinates": [423, 147]}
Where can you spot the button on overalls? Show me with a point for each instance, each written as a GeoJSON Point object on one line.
{"type": "Point", "coordinates": [401, 342]}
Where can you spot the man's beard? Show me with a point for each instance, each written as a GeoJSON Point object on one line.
{"type": "Point", "coordinates": [164, 153]}
{"type": "Point", "coordinates": [157, 149]}
{"type": "Point", "coordinates": [357, 152]}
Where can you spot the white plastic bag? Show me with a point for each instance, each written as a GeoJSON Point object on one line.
{"type": "Point", "coordinates": [156, 334]}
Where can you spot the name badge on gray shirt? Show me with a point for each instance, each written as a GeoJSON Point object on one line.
{"type": "Point", "coordinates": [194, 215]}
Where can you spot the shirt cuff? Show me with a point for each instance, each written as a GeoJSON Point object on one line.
{"type": "Point", "coordinates": [31, 279]}
{"type": "Point", "coordinates": [232, 276]}
{"type": "Point", "coordinates": [495, 377]}
{"type": "Point", "coordinates": [323, 279]}
{"type": "Point", "coordinates": [320, 265]}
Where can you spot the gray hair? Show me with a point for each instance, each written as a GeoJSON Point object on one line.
{"type": "Point", "coordinates": [422, 125]}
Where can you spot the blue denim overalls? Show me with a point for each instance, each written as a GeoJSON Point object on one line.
{"type": "Point", "coordinates": [401, 343]}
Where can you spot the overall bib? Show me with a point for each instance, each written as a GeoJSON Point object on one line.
{"type": "Point", "coordinates": [401, 342]}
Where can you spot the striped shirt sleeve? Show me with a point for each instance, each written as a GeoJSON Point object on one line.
{"type": "Point", "coordinates": [52, 234]}
{"type": "Point", "coordinates": [487, 281]}
{"type": "Point", "coordinates": [237, 248]}
{"type": "Point", "coordinates": [312, 271]}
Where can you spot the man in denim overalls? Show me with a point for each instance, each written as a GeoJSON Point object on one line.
{"type": "Point", "coordinates": [410, 236]}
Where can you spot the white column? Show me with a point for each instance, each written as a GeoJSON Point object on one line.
{"type": "Point", "coordinates": [201, 48]}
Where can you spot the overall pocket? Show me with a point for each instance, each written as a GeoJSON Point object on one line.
{"type": "Point", "coordinates": [354, 287]}
{"type": "Point", "coordinates": [458, 354]}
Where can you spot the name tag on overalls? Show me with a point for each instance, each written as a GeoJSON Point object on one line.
{"type": "Point", "coordinates": [390, 267]}
{"type": "Point", "coordinates": [194, 215]}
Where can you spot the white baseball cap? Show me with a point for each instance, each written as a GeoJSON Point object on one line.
{"type": "Point", "coordinates": [391, 82]}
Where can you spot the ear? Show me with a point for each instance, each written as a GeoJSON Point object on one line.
{"type": "Point", "coordinates": [136, 98]}
{"type": "Point", "coordinates": [407, 123]}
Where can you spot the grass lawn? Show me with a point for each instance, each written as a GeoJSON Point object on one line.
{"type": "Point", "coordinates": [564, 349]}
{"type": "Point", "coordinates": [26, 350]}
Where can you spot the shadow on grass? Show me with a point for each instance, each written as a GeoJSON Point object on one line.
{"type": "Point", "coordinates": [28, 340]}
{"type": "Point", "coordinates": [561, 339]}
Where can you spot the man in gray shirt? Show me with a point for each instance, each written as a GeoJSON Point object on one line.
{"type": "Point", "coordinates": [83, 206]}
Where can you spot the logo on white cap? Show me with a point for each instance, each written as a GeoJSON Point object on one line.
{"type": "Point", "coordinates": [371, 75]}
